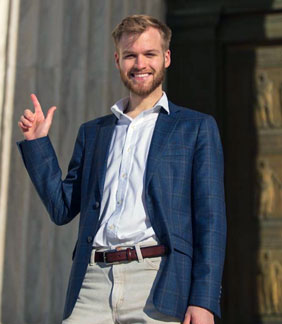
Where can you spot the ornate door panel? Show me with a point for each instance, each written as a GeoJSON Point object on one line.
{"type": "Point", "coordinates": [253, 133]}
{"type": "Point", "coordinates": [227, 61]}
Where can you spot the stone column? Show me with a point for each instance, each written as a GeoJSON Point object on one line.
{"type": "Point", "coordinates": [8, 46]}
{"type": "Point", "coordinates": [61, 50]}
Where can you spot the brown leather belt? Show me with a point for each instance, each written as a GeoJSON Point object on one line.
{"type": "Point", "coordinates": [130, 254]}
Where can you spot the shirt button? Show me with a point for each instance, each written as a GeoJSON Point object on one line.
{"type": "Point", "coordinates": [119, 201]}
{"type": "Point", "coordinates": [124, 175]}
{"type": "Point", "coordinates": [89, 239]}
{"type": "Point", "coordinates": [96, 205]}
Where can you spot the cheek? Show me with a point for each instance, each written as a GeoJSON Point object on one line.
{"type": "Point", "coordinates": [157, 66]}
{"type": "Point", "coordinates": [125, 67]}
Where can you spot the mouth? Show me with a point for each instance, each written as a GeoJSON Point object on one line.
{"type": "Point", "coordinates": [138, 76]}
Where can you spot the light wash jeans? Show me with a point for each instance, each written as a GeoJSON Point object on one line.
{"type": "Point", "coordinates": [119, 293]}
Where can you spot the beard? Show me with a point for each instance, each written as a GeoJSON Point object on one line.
{"type": "Point", "coordinates": [139, 89]}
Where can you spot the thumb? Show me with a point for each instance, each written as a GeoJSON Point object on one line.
{"type": "Point", "coordinates": [50, 114]}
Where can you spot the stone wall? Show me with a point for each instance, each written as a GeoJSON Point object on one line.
{"type": "Point", "coordinates": [62, 51]}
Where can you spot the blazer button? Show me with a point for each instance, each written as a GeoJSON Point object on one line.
{"type": "Point", "coordinates": [96, 205]}
{"type": "Point", "coordinates": [89, 239]}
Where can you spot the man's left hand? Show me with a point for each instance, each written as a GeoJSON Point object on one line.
{"type": "Point", "coordinates": [198, 315]}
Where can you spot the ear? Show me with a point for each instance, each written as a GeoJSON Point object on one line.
{"type": "Point", "coordinates": [167, 58]}
{"type": "Point", "coordinates": [117, 60]}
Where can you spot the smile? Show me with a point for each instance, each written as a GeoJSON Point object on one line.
{"type": "Point", "coordinates": [140, 76]}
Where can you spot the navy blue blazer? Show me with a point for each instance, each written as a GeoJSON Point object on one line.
{"type": "Point", "coordinates": [184, 196]}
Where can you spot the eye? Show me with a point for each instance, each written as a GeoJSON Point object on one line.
{"type": "Point", "coordinates": [150, 54]}
{"type": "Point", "coordinates": [129, 56]}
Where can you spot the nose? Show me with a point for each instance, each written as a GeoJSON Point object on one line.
{"type": "Point", "coordinates": [140, 62]}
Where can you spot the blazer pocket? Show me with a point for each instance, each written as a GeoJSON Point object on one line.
{"type": "Point", "coordinates": [182, 246]}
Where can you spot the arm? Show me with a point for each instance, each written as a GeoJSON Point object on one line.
{"type": "Point", "coordinates": [61, 198]}
{"type": "Point", "coordinates": [209, 225]}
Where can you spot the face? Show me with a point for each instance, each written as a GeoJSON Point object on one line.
{"type": "Point", "coordinates": [142, 61]}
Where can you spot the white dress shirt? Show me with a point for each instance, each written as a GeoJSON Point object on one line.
{"type": "Point", "coordinates": [123, 210]}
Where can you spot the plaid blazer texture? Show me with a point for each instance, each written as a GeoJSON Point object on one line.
{"type": "Point", "coordinates": [184, 194]}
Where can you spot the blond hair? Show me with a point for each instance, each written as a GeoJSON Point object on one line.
{"type": "Point", "coordinates": [137, 24]}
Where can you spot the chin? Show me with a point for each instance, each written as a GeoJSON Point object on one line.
{"type": "Point", "coordinates": [142, 90]}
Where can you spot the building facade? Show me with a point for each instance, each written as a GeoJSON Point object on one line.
{"type": "Point", "coordinates": [226, 61]}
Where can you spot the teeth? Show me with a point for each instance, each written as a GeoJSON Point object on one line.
{"type": "Point", "coordinates": [141, 75]}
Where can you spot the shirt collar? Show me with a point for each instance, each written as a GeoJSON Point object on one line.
{"type": "Point", "coordinates": [119, 107]}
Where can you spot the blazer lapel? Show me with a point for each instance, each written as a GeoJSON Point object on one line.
{"type": "Point", "coordinates": [164, 127]}
{"type": "Point", "coordinates": [102, 150]}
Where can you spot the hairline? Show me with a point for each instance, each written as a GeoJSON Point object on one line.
{"type": "Point", "coordinates": [138, 34]}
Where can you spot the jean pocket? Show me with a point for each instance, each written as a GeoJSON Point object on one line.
{"type": "Point", "coordinates": [153, 263]}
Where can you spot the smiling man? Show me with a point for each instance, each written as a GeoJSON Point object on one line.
{"type": "Point", "coordinates": [142, 60]}
{"type": "Point", "coordinates": [147, 181]}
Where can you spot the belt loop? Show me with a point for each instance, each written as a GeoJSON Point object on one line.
{"type": "Point", "coordinates": [138, 253]}
{"type": "Point", "coordinates": [92, 257]}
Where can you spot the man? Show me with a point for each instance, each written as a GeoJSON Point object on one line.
{"type": "Point", "coordinates": [147, 181]}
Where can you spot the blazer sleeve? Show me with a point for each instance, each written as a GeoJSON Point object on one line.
{"type": "Point", "coordinates": [60, 197]}
{"type": "Point", "coordinates": [209, 219]}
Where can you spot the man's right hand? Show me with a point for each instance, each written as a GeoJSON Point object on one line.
{"type": "Point", "coordinates": [36, 125]}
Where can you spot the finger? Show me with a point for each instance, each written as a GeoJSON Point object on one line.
{"type": "Point", "coordinates": [50, 115]}
{"type": "Point", "coordinates": [36, 104]}
{"type": "Point", "coordinates": [28, 114]}
{"type": "Point", "coordinates": [187, 319]}
{"type": "Point", "coordinates": [22, 127]}
{"type": "Point", "coordinates": [26, 122]}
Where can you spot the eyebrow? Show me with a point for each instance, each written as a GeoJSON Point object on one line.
{"type": "Point", "coordinates": [147, 51]}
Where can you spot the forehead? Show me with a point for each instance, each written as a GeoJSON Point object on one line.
{"type": "Point", "coordinates": [149, 39]}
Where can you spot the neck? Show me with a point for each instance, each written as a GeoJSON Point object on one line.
{"type": "Point", "coordinates": [137, 104]}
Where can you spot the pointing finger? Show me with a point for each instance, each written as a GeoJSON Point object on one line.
{"type": "Point", "coordinates": [36, 104]}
